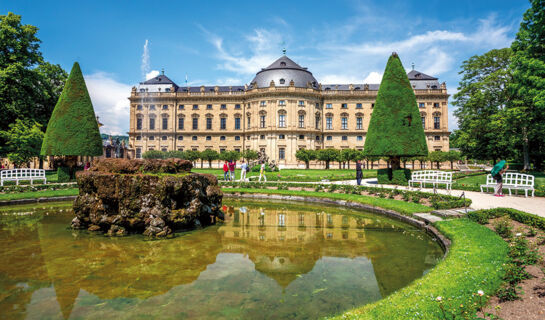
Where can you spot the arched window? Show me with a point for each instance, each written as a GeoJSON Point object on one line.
{"type": "Point", "coordinates": [282, 81]}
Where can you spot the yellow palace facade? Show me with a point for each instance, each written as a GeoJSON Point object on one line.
{"type": "Point", "coordinates": [283, 109]}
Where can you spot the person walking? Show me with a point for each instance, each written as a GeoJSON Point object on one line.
{"type": "Point", "coordinates": [497, 173]}
{"type": "Point", "coordinates": [225, 171]}
{"type": "Point", "coordinates": [232, 166]}
{"type": "Point", "coordinates": [243, 170]}
{"type": "Point", "coordinates": [262, 172]}
{"type": "Point", "coordinates": [359, 174]}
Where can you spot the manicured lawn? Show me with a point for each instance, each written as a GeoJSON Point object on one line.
{"type": "Point", "coordinates": [299, 174]}
{"type": "Point", "coordinates": [403, 207]}
{"type": "Point", "coordinates": [473, 263]}
{"type": "Point", "coordinates": [39, 194]}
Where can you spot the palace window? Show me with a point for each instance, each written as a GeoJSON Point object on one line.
{"type": "Point", "coordinates": [436, 104]}
{"type": "Point", "coordinates": [282, 121]}
{"type": "Point", "coordinates": [237, 138]}
{"type": "Point", "coordinates": [194, 138]}
{"type": "Point", "coordinates": [437, 138]}
{"type": "Point", "coordinates": [263, 103]}
{"type": "Point", "coordinates": [359, 123]}
{"type": "Point", "coordinates": [165, 107]}
{"type": "Point", "coordinates": [328, 106]}
{"type": "Point", "coordinates": [208, 123]}
{"type": "Point", "coordinates": [359, 138]}
{"type": "Point", "coordinates": [223, 123]}
{"type": "Point", "coordinates": [195, 123]}
{"type": "Point", "coordinates": [344, 123]}
{"type": "Point", "coordinates": [262, 121]}
{"type": "Point", "coordinates": [344, 138]}
{"type": "Point", "coordinates": [180, 138]}
{"type": "Point", "coordinates": [138, 107]}
{"type": "Point", "coordinates": [301, 121]}
{"type": "Point", "coordinates": [372, 105]}
{"type": "Point", "coordinates": [301, 137]}
{"type": "Point", "coordinates": [437, 122]}
{"type": "Point", "coordinates": [249, 120]}
{"type": "Point", "coordinates": [329, 138]}
{"type": "Point", "coordinates": [222, 150]}
{"type": "Point", "coordinates": [281, 102]}
{"type": "Point", "coordinates": [281, 153]}
{"type": "Point", "coordinates": [181, 107]}
{"type": "Point", "coordinates": [208, 138]}
{"type": "Point", "coordinates": [222, 138]}
{"type": "Point", "coordinates": [163, 137]}
{"type": "Point", "coordinates": [195, 107]}
{"type": "Point", "coordinates": [165, 123]}
{"type": "Point", "coordinates": [282, 81]}
{"type": "Point", "coordinates": [237, 106]}
{"type": "Point", "coordinates": [421, 105]}
{"type": "Point", "coordinates": [281, 137]}
{"type": "Point", "coordinates": [344, 106]}
{"type": "Point", "coordinates": [223, 106]}
{"type": "Point", "coordinates": [329, 123]}
{"type": "Point", "coordinates": [181, 123]}
{"type": "Point", "coordinates": [423, 122]}
{"type": "Point", "coordinates": [152, 107]}
{"type": "Point", "coordinates": [301, 103]}
{"type": "Point", "coordinates": [359, 106]}
{"type": "Point", "coordinates": [237, 123]}
{"type": "Point", "coordinates": [138, 138]}
{"type": "Point", "coordinates": [138, 153]}
{"type": "Point", "coordinates": [151, 138]}
{"type": "Point", "coordinates": [317, 138]}
{"type": "Point", "coordinates": [152, 123]}
{"type": "Point", "coordinates": [262, 137]}
{"type": "Point", "coordinates": [139, 124]}
{"type": "Point", "coordinates": [317, 122]}
{"type": "Point", "coordinates": [208, 107]}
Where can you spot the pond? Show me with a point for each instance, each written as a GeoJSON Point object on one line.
{"type": "Point", "coordinates": [268, 260]}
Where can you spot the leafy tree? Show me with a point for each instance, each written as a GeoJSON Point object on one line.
{"type": "Point", "coordinates": [73, 128]}
{"type": "Point", "coordinates": [349, 155]}
{"type": "Point", "coordinates": [29, 86]}
{"type": "Point", "coordinates": [24, 142]}
{"type": "Point", "coordinates": [176, 154]}
{"type": "Point", "coordinates": [327, 155]}
{"type": "Point", "coordinates": [192, 155]}
{"type": "Point", "coordinates": [306, 156]}
{"type": "Point", "coordinates": [437, 157]}
{"type": "Point", "coordinates": [154, 154]}
{"type": "Point", "coordinates": [230, 155]}
{"type": "Point", "coordinates": [395, 130]}
{"type": "Point", "coordinates": [250, 155]}
{"type": "Point", "coordinates": [526, 113]}
{"type": "Point", "coordinates": [481, 100]}
{"type": "Point", "coordinates": [452, 156]}
{"type": "Point", "coordinates": [209, 155]}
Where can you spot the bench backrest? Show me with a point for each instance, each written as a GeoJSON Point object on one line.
{"type": "Point", "coordinates": [22, 174]}
{"type": "Point", "coordinates": [513, 179]}
{"type": "Point", "coordinates": [432, 175]}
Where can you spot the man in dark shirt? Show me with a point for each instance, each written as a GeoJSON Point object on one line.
{"type": "Point", "coordinates": [359, 174]}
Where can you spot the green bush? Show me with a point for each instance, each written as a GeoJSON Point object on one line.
{"type": "Point", "coordinates": [482, 216]}
{"type": "Point", "coordinates": [503, 228]}
{"type": "Point", "coordinates": [389, 176]}
{"type": "Point", "coordinates": [154, 154]}
{"type": "Point", "coordinates": [63, 174]}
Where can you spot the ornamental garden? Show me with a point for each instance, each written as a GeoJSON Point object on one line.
{"type": "Point", "coordinates": [417, 236]}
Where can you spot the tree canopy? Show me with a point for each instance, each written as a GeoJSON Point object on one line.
{"type": "Point", "coordinates": [395, 129]}
{"type": "Point", "coordinates": [73, 128]}
{"type": "Point", "coordinates": [23, 141]}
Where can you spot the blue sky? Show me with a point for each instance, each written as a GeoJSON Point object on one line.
{"type": "Point", "coordinates": [227, 42]}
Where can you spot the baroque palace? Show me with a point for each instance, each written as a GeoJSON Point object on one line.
{"type": "Point", "coordinates": [283, 109]}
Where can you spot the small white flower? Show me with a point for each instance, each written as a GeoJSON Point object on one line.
{"type": "Point", "coordinates": [480, 293]}
{"type": "Point", "coordinates": [439, 298]}
{"type": "Point", "coordinates": [518, 234]}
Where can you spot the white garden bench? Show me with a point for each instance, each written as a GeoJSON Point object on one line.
{"type": "Point", "coordinates": [22, 174]}
{"type": "Point", "coordinates": [431, 176]}
{"type": "Point", "coordinates": [512, 180]}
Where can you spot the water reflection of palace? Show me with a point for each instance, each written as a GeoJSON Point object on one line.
{"type": "Point", "coordinates": [282, 244]}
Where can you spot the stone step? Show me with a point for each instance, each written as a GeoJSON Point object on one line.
{"type": "Point", "coordinates": [451, 213]}
{"type": "Point", "coordinates": [428, 218]}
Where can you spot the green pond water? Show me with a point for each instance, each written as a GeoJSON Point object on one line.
{"type": "Point", "coordinates": [266, 261]}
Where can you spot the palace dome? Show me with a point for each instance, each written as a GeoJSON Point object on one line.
{"type": "Point", "coordinates": [282, 72]}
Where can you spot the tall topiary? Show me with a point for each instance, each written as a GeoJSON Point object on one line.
{"type": "Point", "coordinates": [73, 129]}
{"type": "Point", "coordinates": [395, 129]}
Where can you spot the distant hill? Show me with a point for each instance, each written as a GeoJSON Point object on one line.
{"type": "Point", "coordinates": [107, 136]}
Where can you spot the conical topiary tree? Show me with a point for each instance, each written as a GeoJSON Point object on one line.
{"type": "Point", "coordinates": [73, 129]}
{"type": "Point", "coordinates": [395, 129]}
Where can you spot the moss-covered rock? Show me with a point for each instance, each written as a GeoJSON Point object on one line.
{"type": "Point", "coordinates": [142, 200]}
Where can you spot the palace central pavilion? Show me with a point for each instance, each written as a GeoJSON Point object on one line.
{"type": "Point", "coordinates": [283, 109]}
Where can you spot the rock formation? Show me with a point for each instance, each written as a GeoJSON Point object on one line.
{"type": "Point", "coordinates": [153, 197]}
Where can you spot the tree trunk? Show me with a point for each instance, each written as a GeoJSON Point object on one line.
{"type": "Point", "coordinates": [41, 165]}
{"type": "Point", "coordinates": [348, 163]}
{"type": "Point", "coordinates": [339, 164]}
{"type": "Point", "coordinates": [412, 165]}
{"type": "Point", "coordinates": [307, 163]}
{"type": "Point", "coordinates": [525, 151]}
{"type": "Point", "coordinates": [395, 163]}
{"type": "Point", "coordinates": [201, 164]}
{"type": "Point", "coordinates": [210, 164]}
{"type": "Point", "coordinates": [327, 165]}
{"type": "Point", "coordinates": [452, 166]}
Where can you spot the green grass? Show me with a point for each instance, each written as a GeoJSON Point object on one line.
{"type": "Point", "coordinates": [474, 263]}
{"type": "Point", "coordinates": [407, 208]}
{"type": "Point", "coordinates": [39, 194]}
{"type": "Point", "coordinates": [301, 175]}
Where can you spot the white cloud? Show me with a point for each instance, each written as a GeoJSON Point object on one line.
{"type": "Point", "coordinates": [110, 101]}
{"type": "Point", "coordinates": [152, 74]}
{"type": "Point", "coordinates": [145, 65]}
{"type": "Point", "coordinates": [373, 77]}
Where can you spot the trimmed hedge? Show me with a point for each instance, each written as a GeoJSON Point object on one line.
{"type": "Point", "coordinates": [482, 216]}
{"type": "Point", "coordinates": [389, 176]}
{"type": "Point", "coordinates": [63, 174]}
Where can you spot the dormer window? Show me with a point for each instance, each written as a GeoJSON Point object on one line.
{"type": "Point", "coordinates": [283, 64]}
{"type": "Point", "coordinates": [282, 81]}
{"type": "Point", "coordinates": [167, 89]}
{"type": "Point", "coordinates": [142, 90]}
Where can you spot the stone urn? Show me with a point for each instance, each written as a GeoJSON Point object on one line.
{"type": "Point", "coordinates": [153, 197]}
